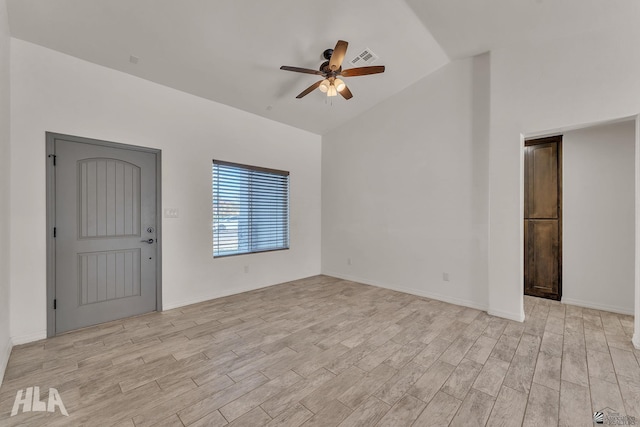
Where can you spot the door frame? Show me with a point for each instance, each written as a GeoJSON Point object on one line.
{"type": "Point", "coordinates": [553, 131]}
{"type": "Point", "coordinates": [51, 215]}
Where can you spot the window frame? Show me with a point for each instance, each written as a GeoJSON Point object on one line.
{"type": "Point", "coordinates": [215, 199]}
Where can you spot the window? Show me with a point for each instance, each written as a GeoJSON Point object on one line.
{"type": "Point", "coordinates": [250, 209]}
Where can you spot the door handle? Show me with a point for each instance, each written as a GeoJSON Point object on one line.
{"type": "Point", "coordinates": [149, 241]}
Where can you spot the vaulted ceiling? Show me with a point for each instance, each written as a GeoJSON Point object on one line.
{"type": "Point", "coordinates": [230, 51]}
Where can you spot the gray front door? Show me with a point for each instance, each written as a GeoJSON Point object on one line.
{"type": "Point", "coordinates": [105, 244]}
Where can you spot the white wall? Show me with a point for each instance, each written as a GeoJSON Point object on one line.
{"type": "Point", "coordinates": [534, 89]}
{"type": "Point", "coordinates": [549, 87]}
{"type": "Point", "coordinates": [404, 189]}
{"type": "Point", "coordinates": [55, 92]}
{"type": "Point", "coordinates": [599, 217]}
{"type": "Point", "coordinates": [5, 343]}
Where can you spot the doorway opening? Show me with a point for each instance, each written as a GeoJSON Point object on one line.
{"type": "Point", "coordinates": [597, 217]}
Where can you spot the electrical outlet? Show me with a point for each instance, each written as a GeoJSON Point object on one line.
{"type": "Point", "coordinates": [348, 261]}
{"type": "Point", "coordinates": [445, 277]}
{"type": "Point", "coordinates": [246, 268]}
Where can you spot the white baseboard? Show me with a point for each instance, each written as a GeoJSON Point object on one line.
{"type": "Point", "coordinates": [636, 340]}
{"type": "Point", "coordinates": [517, 317]}
{"type": "Point", "coordinates": [5, 352]}
{"type": "Point", "coordinates": [412, 291]}
{"type": "Point", "coordinates": [204, 297]}
{"type": "Point", "coordinates": [24, 339]}
{"type": "Point", "coordinates": [214, 295]}
{"type": "Point", "coordinates": [597, 306]}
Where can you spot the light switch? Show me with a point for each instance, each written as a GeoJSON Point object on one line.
{"type": "Point", "coordinates": [171, 213]}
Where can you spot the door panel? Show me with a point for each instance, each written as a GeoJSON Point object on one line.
{"type": "Point", "coordinates": [109, 198]}
{"type": "Point", "coordinates": [543, 218]}
{"type": "Point", "coordinates": [542, 257]}
{"type": "Point", "coordinates": [108, 275]}
{"type": "Point", "coordinates": [543, 181]}
{"type": "Point", "coordinates": [105, 205]}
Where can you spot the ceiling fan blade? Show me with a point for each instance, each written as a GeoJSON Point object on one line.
{"type": "Point", "coordinates": [301, 70]}
{"type": "Point", "coordinates": [338, 55]}
{"type": "Point", "coordinates": [309, 89]}
{"type": "Point", "coordinates": [346, 93]}
{"type": "Point", "coordinates": [362, 71]}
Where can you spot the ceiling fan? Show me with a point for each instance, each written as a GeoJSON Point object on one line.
{"type": "Point", "coordinates": [331, 70]}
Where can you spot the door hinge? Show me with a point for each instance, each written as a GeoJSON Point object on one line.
{"type": "Point", "coordinates": [55, 231]}
{"type": "Point", "coordinates": [55, 303]}
{"type": "Point", "coordinates": [54, 158]}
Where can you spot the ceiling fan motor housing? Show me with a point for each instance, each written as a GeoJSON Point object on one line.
{"type": "Point", "coordinates": [327, 54]}
{"type": "Point", "coordinates": [324, 67]}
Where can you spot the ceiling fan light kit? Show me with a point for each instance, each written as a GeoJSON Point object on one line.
{"type": "Point", "coordinates": [332, 86]}
{"type": "Point", "coordinates": [331, 70]}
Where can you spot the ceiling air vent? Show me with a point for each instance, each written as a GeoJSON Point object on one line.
{"type": "Point", "coordinates": [366, 57]}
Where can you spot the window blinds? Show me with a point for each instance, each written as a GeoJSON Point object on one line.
{"type": "Point", "coordinates": [250, 209]}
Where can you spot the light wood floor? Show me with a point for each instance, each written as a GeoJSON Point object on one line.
{"type": "Point", "coordinates": [323, 352]}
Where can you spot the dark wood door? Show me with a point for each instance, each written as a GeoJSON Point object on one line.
{"type": "Point", "coordinates": [543, 217]}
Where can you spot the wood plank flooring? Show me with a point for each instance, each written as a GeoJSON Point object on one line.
{"type": "Point", "coordinates": [326, 352]}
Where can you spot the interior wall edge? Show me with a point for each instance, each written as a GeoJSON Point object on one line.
{"type": "Point", "coordinates": [636, 320]}
{"type": "Point", "coordinates": [5, 190]}
{"type": "Point", "coordinates": [4, 358]}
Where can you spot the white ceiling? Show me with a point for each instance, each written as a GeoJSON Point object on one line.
{"type": "Point", "coordinates": [230, 51]}
{"type": "Point", "coordinates": [469, 27]}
